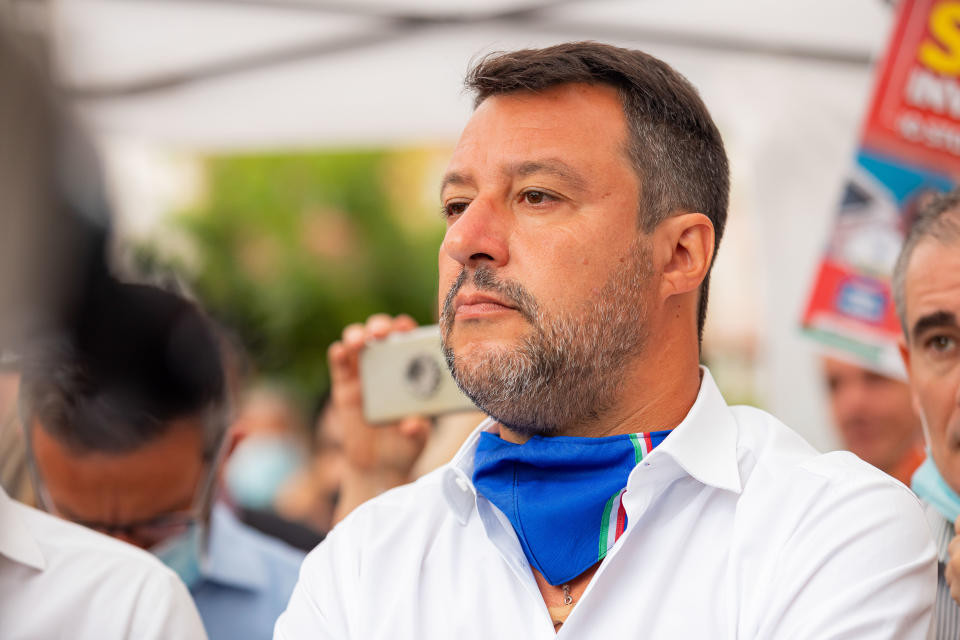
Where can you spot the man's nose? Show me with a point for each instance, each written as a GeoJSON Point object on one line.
{"type": "Point", "coordinates": [479, 235]}
{"type": "Point", "coordinates": [851, 399]}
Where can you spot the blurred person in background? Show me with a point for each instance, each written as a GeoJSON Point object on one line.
{"type": "Point", "coordinates": [874, 418]}
{"type": "Point", "coordinates": [268, 464]}
{"type": "Point", "coordinates": [312, 494]}
{"type": "Point", "coordinates": [271, 447]}
{"type": "Point", "coordinates": [58, 579]}
{"type": "Point", "coordinates": [584, 203]}
{"type": "Point", "coordinates": [126, 426]}
{"type": "Point", "coordinates": [926, 287]}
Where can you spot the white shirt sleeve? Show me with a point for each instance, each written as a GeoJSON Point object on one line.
{"type": "Point", "coordinates": [860, 564]}
{"type": "Point", "coordinates": [319, 607]}
{"type": "Point", "coordinates": [164, 610]}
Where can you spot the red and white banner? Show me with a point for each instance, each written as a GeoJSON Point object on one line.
{"type": "Point", "coordinates": [909, 150]}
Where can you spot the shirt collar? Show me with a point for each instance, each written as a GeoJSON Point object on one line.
{"type": "Point", "coordinates": [458, 489]}
{"type": "Point", "coordinates": [229, 560]}
{"type": "Point", "coordinates": [16, 541]}
{"type": "Point", "coordinates": [704, 445]}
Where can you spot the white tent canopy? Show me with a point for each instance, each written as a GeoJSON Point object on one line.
{"type": "Point", "coordinates": [786, 82]}
{"type": "Point", "coordinates": [242, 73]}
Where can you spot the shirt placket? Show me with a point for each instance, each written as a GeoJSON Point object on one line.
{"type": "Point", "coordinates": [642, 489]}
{"type": "Point", "coordinates": [500, 533]}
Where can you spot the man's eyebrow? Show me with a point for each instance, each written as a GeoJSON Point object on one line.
{"type": "Point", "coordinates": [552, 166]}
{"type": "Point", "coordinates": [454, 178]}
{"type": "Point", "coordinates": [933, 321]}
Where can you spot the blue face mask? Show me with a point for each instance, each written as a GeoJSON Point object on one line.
{"type": "Point", "coordinates": [258, 468]}
{"type": "Point", "coordinates": [183, 554]}
{"type": "Point", "coordinates": [562, 495]}
{"type": "Point", "coordinates": [930, 486]}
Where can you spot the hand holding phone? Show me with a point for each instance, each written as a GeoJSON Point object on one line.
{"type": "Point", "coordinates": [382, 455]}
{"type": "Point", "coordinates": [347, 395]}
{"type": "Point", "coordinates": [405, 374]}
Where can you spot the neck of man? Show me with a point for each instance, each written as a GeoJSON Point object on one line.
{"type": "Point", "coordinates": [657, 390]}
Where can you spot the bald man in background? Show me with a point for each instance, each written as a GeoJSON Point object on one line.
{"type": "Point", "coordinates": [874, 418]}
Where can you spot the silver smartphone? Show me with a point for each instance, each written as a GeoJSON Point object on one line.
{"type": "Point", "coordinates": [405, 374]}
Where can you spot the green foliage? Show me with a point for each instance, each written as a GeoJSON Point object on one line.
{"type": "Point", "coordinates": [294, 247]}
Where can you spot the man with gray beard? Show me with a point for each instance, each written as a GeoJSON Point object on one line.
{"type": "Point", "coordinates": [612, 492]}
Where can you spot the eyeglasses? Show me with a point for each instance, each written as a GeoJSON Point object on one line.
{"type": "Point", "coordinates": [149, 532]}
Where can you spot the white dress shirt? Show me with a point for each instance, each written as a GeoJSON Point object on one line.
{"type": "Point", "coordinates": [59, 581]}
{"type": "Point", "coordinates": [738, 529]}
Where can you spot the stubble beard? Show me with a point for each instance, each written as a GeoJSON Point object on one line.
{"type": "Point", "coordinates": [568, 370]}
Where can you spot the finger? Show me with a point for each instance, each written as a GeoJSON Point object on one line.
{"type": "Point", "coordinates": [403, 322]}
{"type": "Point", "coordinates": [378, 326]}
{"type": "Point", "coordinates": [956, 526]}
{"type": "Point", "coordinates": [353, 337]}
{"type": "Point", "coordinates": [338, 359]}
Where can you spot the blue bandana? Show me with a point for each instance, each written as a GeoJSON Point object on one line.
{"type": "Point", "coordinates": [562, 495]}
{"type": "Point", "coordinates": [930, 486]}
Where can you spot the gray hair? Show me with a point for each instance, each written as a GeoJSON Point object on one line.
{"type": "Point", "coordinates": [939, 220]}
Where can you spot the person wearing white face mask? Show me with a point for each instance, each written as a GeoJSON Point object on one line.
{"type": "Point", "coordinates": [271, 450]}
{"type": "Point", "coordinates": [126, 427]}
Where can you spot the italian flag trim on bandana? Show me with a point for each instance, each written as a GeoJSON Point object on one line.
{"type": "Point", "coordinates": [614, 521]}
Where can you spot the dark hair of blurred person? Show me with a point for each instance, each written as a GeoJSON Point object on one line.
{"type": "Point", "coordinates": [143, 363]}
{"type": "Point", "coordinates": [58, 579]}
{"type": "Point", "coordinates": [874, 417]}
{"type": "Point", "coordinates": [126, 423]}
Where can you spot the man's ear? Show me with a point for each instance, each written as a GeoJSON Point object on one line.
{"type": "Point", "coordinates": [905, 356]}
{"type": "Point", "coordinates": [689, 240]}
{"type": "Point", "coordinates": [234, 436]}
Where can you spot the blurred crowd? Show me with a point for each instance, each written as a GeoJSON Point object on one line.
{"type": "Point", "coordinates": [126, 409]}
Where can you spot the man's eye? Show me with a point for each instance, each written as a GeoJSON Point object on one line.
{"type": "Point", "coordinates": [454, 209]}
{"type": "Point", "coordinates": [941, 344]}
{"type": "Point", "coordinates": [535, 197]}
